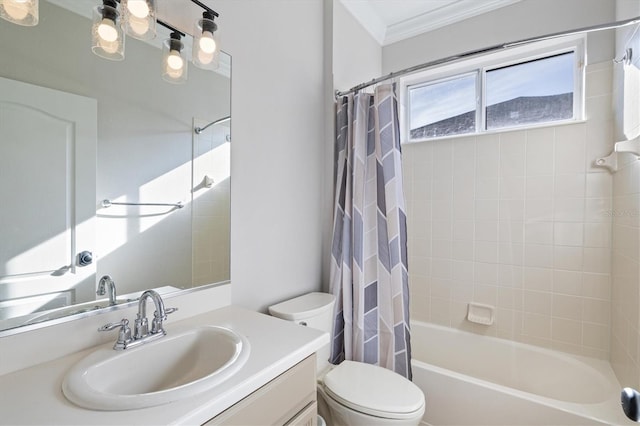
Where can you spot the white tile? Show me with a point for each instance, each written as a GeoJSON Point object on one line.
{"type": "Point", "coordinates": [537, 302]}
{"type": "Point", "coordinates": [568, 307]}
{"type": "Point", "coordinates": [540, 151]}
{"type": "Point", "coordinates": [567, 331]}
{"type": "Point", "coordinates": [598, 210]}
{"type": "Point", "coordinates": [536, 326]}
{"type": "Point", "coordinates": [569, 209]}
{"type": "Point", "coordinates": [487, 188]}
{"type": "Point", "coordinates": [441, 268]}
{"type": "Point", "coordinates": [486, 251]}
{"type": "Point", "coordinates": [511, 231]}
{"type": "Point", "coordinates": [511, 210]}
{"type": "Point", "coordinates": [511, 253]}
{"type": "Point", "coordinates": [538, 279]}
{"type": "Point", "coordinates": [512, 187]}
{"type": "Point", "coordinates": [463, 230]}
{"type": "Point", "coordinates": [486, 231]}
{"type": "Point", "coordinates": [485, 273]}
{"type": "Point", "coordinates": [462, 250]}
{"type": "Point", "coordinates": [487, 156]}
{"type": "Point", "coordinates": [599, 185]}
{"type": "Point", "coordinates": [512, 153]}
{"type": "Point", "coordinates": [567, 282]}
{"type": "Point", "coordinates": [538, 233]}
{"type": "Point", "coordinates": [539, 187]}
{"type": "Point", "coordinates": [510, 276]}
{"type": "Point", "coordinates": [538, 256]}
{"type": "Point", "coordinates": [597, 260]}
{"type": "Point", "coordinates": [442, 189]}
{"type": "Point", "coordinates": [487, 210]}
{"type": "Point", "coordinates": [597, 235]}
{"type": "Point", "coordinates": [570, 149]}
{"type": "Point", "coordinates": [568, 233]}
{"type": "Point", "coordinates": [538, 210]}
{"type": "Point", "coordinates": [570, 186]}
{"type": "Point", "coordinates": [462, 271]}
{"type": "Point", "coordinates": [442, 230]}
{"type": "Point", "coordinates": [568, 258]}
{"type": "Point", "coordinates": [463, 209]}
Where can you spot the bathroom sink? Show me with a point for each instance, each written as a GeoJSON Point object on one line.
{"type": "Point", "coordinates": [169, 369]}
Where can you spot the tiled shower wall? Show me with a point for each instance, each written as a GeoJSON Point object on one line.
{"type": "Point", "coordinates": [625, 295]}
{"type": "Point", "coordinates": [520, 220]}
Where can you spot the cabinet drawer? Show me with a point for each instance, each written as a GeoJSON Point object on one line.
{"type": "Point", "coordinates": [278, 402]}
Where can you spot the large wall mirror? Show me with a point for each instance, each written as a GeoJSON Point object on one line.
{"type": "Point", "coordinates": [83, 141]}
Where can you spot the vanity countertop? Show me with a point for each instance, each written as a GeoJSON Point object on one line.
{"type": "Point", "coordinates": [34, 395]}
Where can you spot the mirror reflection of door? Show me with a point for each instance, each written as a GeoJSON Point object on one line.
{"type": "Point", "coordinates": [47, 192]}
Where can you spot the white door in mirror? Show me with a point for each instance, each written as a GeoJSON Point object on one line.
{"type": "Point", "coordinates": [47, 192]}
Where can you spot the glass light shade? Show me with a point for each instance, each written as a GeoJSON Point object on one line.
{"type": "Point", "coordinates": [140, 18]}
{"type": "Point", "coordinates": [174, 60]}
{"type": "Point", "coordinates": [206, 46]}
{"type": "Point", "coordinates": [107, 36]}
{"type": "Point", "coordinates": [21, 12]}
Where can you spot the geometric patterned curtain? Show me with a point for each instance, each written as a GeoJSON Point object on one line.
{"type": "Point", "coordinates": [369, 247]}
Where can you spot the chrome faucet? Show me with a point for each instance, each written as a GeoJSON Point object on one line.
{"type": "Point", "coordinates": [141, 333]}
{"type": "Point", "coordinates": [141, 328]}
{"type": "Point", "coordinates": [107, 283]}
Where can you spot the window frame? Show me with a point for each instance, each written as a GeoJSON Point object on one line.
{"type": "Point", "coordinates": [491, 61]}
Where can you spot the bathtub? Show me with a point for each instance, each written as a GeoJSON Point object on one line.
{"type": "Point", "coordinates": [470, 379]}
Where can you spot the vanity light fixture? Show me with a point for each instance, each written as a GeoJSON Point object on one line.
{"type": "Point", "coordinates": [139, 18]}
{"type": "Point", "coordinates": [107, 39]}
{"type": "Point", "coordinates": [205, 50]}
{"type": "Point", "coordinates": [21, 12]}
{"type": "Point", "coordinates": [174, 61]}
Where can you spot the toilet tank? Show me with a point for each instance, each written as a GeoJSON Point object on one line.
{"type": "Point", "coordinates": [314, 310]}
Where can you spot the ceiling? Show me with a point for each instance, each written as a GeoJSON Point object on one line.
{"type": "Point", "coordinates": [389, 21]}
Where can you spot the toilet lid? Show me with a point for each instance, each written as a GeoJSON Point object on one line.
{"type": "Point", "coordinates": [373, 390]}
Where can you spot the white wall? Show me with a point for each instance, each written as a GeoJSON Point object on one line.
{"type": "Point", "coordinates": [357, 56]}
{"type": "Point", "coordinates": [527, 18]}
{"type": "Point", "coordinates": [278, 142]}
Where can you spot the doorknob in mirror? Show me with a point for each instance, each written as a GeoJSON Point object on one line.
{"type": "Point", "coordinates": [85, 258]}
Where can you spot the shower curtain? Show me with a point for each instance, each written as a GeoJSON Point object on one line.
{"type": "Point", "coordinates": [369, 247]}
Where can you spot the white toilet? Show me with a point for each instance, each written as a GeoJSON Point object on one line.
{"type": "Point", "coordinates": [353, 393]}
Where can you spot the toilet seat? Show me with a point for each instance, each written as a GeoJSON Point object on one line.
{"type": "Point", "coordinates": [373, 390]}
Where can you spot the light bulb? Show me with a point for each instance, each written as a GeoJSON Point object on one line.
{"type": "Point", "coordinates": [139, 26]}
{"type": "Point", "coordinates": [207, 43]}
{"type": "Point", "coordinates": [17, 9]}
{"type": "Point", "coordinates": [175, 61]}
{"type": "Point", "coordinates": [138, 8]}
{"type": "Point", "coordinates": [204, 57]}
{"type": "Point", "coordinates": [174, 73]}
{"type": "Point", "coordinates": [107, 30]}
{"type": "Point", "coordinates": [108, 46]}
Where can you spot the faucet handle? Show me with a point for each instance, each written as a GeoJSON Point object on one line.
{"type": "Point", "coordinates": [156, 324]}
{"type": "Point", "coordinates": [124, 336]}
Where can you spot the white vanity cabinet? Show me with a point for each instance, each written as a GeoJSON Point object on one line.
{"type": "Point", "coordinates": [289, 399]}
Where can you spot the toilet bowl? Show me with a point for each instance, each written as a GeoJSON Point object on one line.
{"type": "Point", "coordinates": [353, 393]}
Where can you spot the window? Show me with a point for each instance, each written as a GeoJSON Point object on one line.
{"type": "Point", "coordinates": [536, 91]}
{"type": "Point", "coordinates": [443, 108]}
{"type": "Point", "coordinates": [529, 86]}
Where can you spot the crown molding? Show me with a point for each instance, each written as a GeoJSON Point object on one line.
{"type": "Point", "coordinates": [446, 15]}
{"type": "Point", "coordinates": [451, 12]}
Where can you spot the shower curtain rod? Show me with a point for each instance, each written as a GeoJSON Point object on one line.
{"type": "Point", "coordinates": [475, 52]}
{"type": "Point", "coordinates": [199, 130]}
